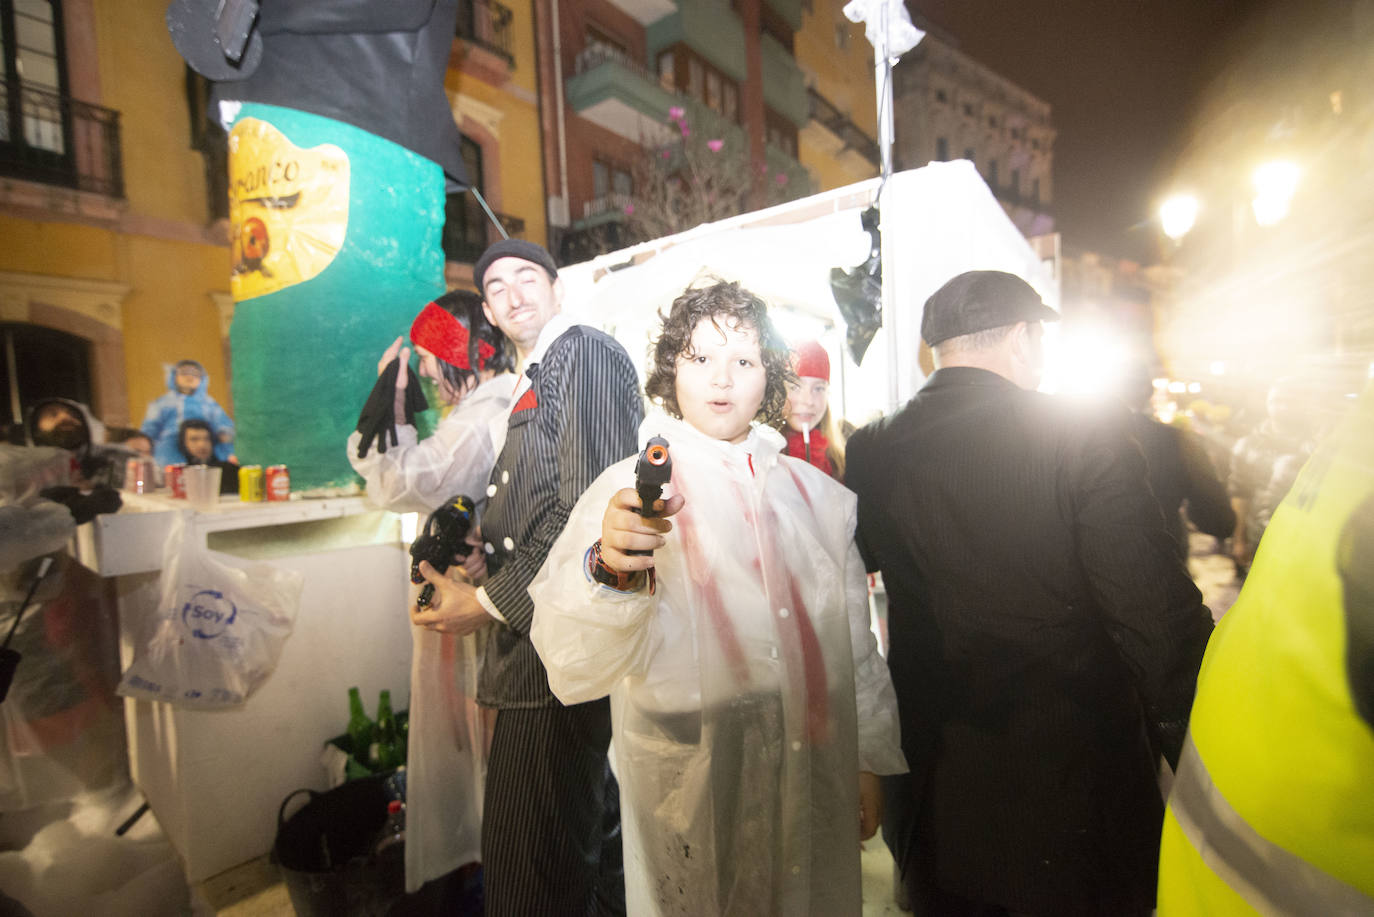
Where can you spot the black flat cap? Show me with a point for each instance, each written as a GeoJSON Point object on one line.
{"type": "Point", "coordinates": [513, 248]}
{"type": "Point", "coordinates": [979, 300]}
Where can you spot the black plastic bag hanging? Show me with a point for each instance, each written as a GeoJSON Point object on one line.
{"type": "Point", "coordinates": [859, 292]}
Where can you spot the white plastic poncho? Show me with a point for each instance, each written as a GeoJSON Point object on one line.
{"type": "Point", "coordinates": [737, 735]}
{"type": "Point", "coordinates": [415, 476]}
{"type": "Point", "coordinates": [447, 760]}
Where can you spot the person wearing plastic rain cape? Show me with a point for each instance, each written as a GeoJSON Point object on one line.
{"type": "Point", "coordinates": [734, 664]}
{"type": "Point", "coordinates": [468, 362]}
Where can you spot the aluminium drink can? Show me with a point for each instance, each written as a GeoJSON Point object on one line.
{"type": "Point", "coordinates": [175, 480]}
{"type": "Point", "coordinates": [251, 484]}
{"type": "Point", "coordinates": [278, 482]}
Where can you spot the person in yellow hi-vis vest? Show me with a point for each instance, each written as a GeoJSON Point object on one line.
{"type": "Point", "coordinates": [1272, 809]}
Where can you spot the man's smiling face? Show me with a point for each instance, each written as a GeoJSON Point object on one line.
{"type": "Point", "coordinates": [520, 298]}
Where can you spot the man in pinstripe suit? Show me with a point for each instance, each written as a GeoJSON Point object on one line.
{"type": "Point", "coordinates": [551, 819]}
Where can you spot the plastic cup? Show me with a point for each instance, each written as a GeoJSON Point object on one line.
{"type": "Point", "coordinates": [202, 486]}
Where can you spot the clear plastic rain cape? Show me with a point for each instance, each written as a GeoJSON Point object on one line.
{"type": "Point", "coordinates": [737, 735]}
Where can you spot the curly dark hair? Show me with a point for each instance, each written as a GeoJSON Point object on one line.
{"type": "Point", "coordinates": [721, 302]}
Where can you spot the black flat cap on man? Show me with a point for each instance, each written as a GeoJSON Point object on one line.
{"type": "Point", "coordinates": [513, 248]}
{"type": "Point", "coordinates": [979, 300]}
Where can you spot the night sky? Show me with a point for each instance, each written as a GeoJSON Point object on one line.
{"type": "Point", "coordinates": [1123, 78]}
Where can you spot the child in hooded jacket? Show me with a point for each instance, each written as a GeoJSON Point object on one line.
{"type": "Point", "coordinates": [187, 398]}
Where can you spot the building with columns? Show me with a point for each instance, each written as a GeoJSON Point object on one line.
{"type": "Point", "coordinates": [949, 106]}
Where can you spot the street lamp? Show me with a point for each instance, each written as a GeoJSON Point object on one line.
{"type": "Point", "coordinates": [1177, 215]}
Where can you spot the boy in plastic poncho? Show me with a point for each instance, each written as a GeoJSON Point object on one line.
{"type": "Point", "coordinates": [747, 769]}
{"type": "Point", "coordinates": [187, 398]}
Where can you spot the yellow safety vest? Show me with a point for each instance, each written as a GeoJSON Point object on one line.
{"type": "Point", "coordinates": [1272, 809]}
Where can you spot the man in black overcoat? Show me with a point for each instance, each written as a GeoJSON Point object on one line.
{"type": "Point", "coordinates": [1043, 629]}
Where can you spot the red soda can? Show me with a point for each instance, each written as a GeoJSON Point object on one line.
{"type": "Point", "coordinates": [250, 484]}
{"type": "Point", "coordinates": [278, 482]}
{"type": "Point", "coordinates": [175, 480]}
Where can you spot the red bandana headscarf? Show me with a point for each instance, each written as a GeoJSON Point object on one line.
{"type": "Point", "coordinates": [438, 331]}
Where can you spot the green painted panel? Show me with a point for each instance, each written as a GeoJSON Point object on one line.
{"type": "Point", "coordinates": [305, 357]}
{"type": "Point", "coordinates": [784, 87]}
{"type": "Point", "coordinates": [798, 182]}
{"type": "Point", "coordinates": [710, 28]}
{"type": "Point", "coordinates": [611, 79]}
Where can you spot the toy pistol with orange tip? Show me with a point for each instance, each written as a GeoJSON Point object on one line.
{"type": "Point", "coordinates": [652, 471]}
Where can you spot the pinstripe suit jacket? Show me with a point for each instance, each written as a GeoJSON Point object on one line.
{"type": "Point", "coordinates": [581, 414]}
{"type": "Point", "coordinates": [1038, 615]}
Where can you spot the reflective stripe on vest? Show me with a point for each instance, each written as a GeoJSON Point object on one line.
{"type": "Point", "coordinates": [1270, 879]}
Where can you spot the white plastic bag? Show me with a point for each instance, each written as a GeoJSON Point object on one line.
{"type": "Point", "coordinates": [217, 632]}
{"type": "Point", "coordinates": [447, 761]}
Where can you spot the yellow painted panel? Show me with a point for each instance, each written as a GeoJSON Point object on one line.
{"type": "Point", "coordinates": [143, 77]}
{"type": "Point", "coordinates": [169, 315]}
{"type": "Point", "coordinates": [844, 76]}
{"type": "Point", "coordinates": [58, 249]}
{"type": "Point", "coordinates": [521, 171]}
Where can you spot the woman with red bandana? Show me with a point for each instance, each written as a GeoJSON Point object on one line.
{"type": "Point", "coordinates": [810, 431]}
{"type": "Point", "coordinates": [466, 359]}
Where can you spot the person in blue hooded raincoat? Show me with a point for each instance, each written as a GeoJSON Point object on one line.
{"type": "Point", "coordinates": [187, 398]}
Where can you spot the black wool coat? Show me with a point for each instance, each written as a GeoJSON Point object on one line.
{"type": "Point", "coordinates": [1044, 637]}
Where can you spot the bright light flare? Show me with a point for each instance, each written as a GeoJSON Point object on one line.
{"type": "Point", "coordinates": [1275, 183]}
{"type": "Point", "coordinates": [1178, 214]}
{"type": "Point", "coordinates": [1218, 367]}
{"type": "Point", "coordinates": [1084, 359]}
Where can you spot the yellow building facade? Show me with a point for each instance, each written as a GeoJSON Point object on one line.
{"type": "Point", "coordinates": [115, 259]}
{"type": "Point", "coordinates": [838, 146]}
{"type": "Point", "coordinates": [492, 85]}
{"type": "Point", "coordinates": [109, 242]}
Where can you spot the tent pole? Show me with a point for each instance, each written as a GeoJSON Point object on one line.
{"type": "Point", "coordinates": [882, 74]}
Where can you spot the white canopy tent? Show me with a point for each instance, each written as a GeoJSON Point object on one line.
{"type": "Point", "coordinates": [941, 219]}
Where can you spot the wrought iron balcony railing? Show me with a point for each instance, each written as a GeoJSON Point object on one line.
{"type": "Point", "coordinates": [57, 140]}
{"type": "Point", "coordinates": [596, 54]}
{"type": "Point", "coordinates": [487, 23]}
{"type": "Point", "coordinates": [467, 236]}
{"type": "Point", "coordinates": [838, 123]}
{"type": "Point", "coordinates": [616, 203]}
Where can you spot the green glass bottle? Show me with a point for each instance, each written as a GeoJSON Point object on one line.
{"type": "Point", "coordinates": [388, 739]}
{"type": "Point", "coordinates": [360, 729]}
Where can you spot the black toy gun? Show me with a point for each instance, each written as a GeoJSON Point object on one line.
{"type": "Point", "coordinates": [444, 537]}
{"type": "Point", "coordinates": [652, 471]}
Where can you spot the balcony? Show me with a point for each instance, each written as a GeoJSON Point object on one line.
{"type": "Point", "coordinates": [824, 113]}
{"type": "Point", "coordinates": [645, 12]}
{"type": "Point", "coordinates": [466, 235]}
{"type": "Point", "coordinates": [714, 33]}
{"type": "Point", "coordinates": [486, 24]}
{"type": "Point", "coordinates": [619, 94]}
{"type": "Point", "coordinates": [606, 208]}
{"type": "Point", "coordinates": [784, 87]}
{"type": "Point", "coordinates": [57, 140]}
{"type": "Point", "coordinates": [780, 163]}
